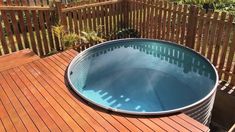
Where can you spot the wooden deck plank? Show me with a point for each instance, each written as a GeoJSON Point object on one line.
{"type": "Point", "coordinates": [174, 124]}
{"type": "Point", "coordinates": [125, 122]}
{"type": "Point", "coordinates": [184, 123]}
{"type": "Point", "coordinates": [69, 104]}
{"type": "Point", "coordinates": [18, 124]}
{"type": "Point", "coordinates": [193, 122]}
{"type": "Point", "coordinates": [16, 59]}
{"type": "Point", "coordinates": [6, 84]}
{"type": "Point", "coordinates": [57, 68]}
{"type": "Point", "coordinates": [55, 116]}
{"type": "Point", "coordinates": [33, 101]}
{"type": "Point", "coordinates": [163, 124]}
{"type": "Point", "coordinates": [5, 118]}
{"type": "Point", "coordinates": [153, 126]}
{"type": "Point", "coordinates": [139, 124]}
{"type": "Point", "coordinates": [31, 114]}
{"type": "Point", "coordinates": [60, 100]}
{"type": "Point", "coordinates": [64, 115]}
{"type": "Point", "coordinates": [2, 129]}
{"type": "Point", "coordinates": [38, 90]}
{"type": "Point", "coordinates": [43, 65]}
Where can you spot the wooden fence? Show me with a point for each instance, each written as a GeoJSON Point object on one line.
{"type": "Point", "coordinates": [46, 2]}
{"type": "Point", "coordinates": [211, 34]}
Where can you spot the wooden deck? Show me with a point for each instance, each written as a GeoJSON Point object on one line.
{"type": "Point", "coordinates": [34, 97]}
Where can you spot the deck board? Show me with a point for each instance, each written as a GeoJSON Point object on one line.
{"type": "Point", "coordinates": [17, 58]}
{"type": "Point", "coordinates": [34, 97]}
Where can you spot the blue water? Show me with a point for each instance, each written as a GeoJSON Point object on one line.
{"type": "Point", "coordinates": [142, 76]}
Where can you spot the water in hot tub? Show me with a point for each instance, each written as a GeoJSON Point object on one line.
{"type": "Point", "coordinates": [142, 76]}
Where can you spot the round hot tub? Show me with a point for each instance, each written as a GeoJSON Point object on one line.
{"type": "Point", "coordinates": [145, 77]}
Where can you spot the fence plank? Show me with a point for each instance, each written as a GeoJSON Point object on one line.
{"type": "Point", "coordinates": [148, 18]}
{"type": "Point", "coordinates": [94, 17]}
{"type": "Point", "coordinates": [89, 17]}
{"type": "Point", "coordinates": [43, 31]}
{"type": "Point", "coordinates": [183, 25]}
{"type": "Point", "coordinates": [218, 37]}
{"type": "Point", "coordinates": [130, 16]}
{"type": "Point", "coordinates": [206, 33]}
{"type": "Point", "coordinates": [30, 31]}
{"type": "Point", "coordinates": [212, 34]}
{"type": "Point", "coordinates": [155, 19]}
{"type": "Point", "coordinates": [48, 14]}
{"type": "Point", "coordinates": [152, 20]}
{"type": "Point", "coordinates": [172, 35]}
{"type": "Point", "coordinates": [141, 20]}
{"type": "Point", "coordinates": [3, 40]}
{"type": "Point", "coordinates": [178, 23]}
{"type": "Point", "coordinates": [23, 29]}
{"type": "Point", "coordinates": [134, 15]}
{"type": "Point", "coordinates": [192, 27]}
{"type": "Point", "coordinates": [114, 27]}
{"type": "Point", "coordinates": [233, 76]}
{"type": "Point", "coordinates": [37, 32]}
{"type": "Point", "coordinates": [80, 20]}
{"type": "Point", "coordinates": [162, 23]}
{"type": "Point", "coordinates": [231, 56]}
{"type": "Point", "coordinates": [8, 30]}
{"type": "Point", "coordinates": [70, 22]}
{"type": "Point", "coordinates": [200, 29]}
{"type": "Point", "coordinates": [16, 29]}
{"type": "Point", "coordinates": [225, 42]}
{"type": "Point", "coordinates": [111, 18]}
{"type": "Point", "coordinates": [144, 18]}
{"type": "Point", "coordinates": [102, 20]}
{"type": "Point", "coordinates": [138, 17]}
{"type": "Point", "coordinates": [106, 19]}
{"type": "Point", "coordinates": [168, 23]}
{"type": "Point", "coordinates": [75, 21]}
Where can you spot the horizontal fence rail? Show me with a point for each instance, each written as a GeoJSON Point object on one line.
{"type": "Point", "coordinates": [46, 2]}
{"type": "Point", "coordinates": [28, 24]}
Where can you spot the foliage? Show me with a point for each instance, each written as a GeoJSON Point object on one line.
{"type": "Point", "coordinates": [52, 52]}
{"type": "Point", "coordinates": [125, 33]}
{"type": "Point", "coordinates": [218, 5]}
{"type": "Point", "coordinates": [70, 39]}
{"type": "Point", "coordinates": [59, 31]}
{"type": "Point", "coordinates": [65, 39]}
{"type": "Point", "coordinates": [90, 37]}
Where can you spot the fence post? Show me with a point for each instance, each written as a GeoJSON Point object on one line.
{"type": "Point", "coordinates": [192, 26]}
{"type": "Point", "coordinates": [125, 10]}
{"type": "Point", "coordinates": [60, 19]}
{"type": "Point", "coordinates": [60, 14]}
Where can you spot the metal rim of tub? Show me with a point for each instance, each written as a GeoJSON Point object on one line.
{"type": "Point", "coordinates": [185, 108]}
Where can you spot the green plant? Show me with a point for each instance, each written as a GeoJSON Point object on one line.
{"type": "Point", "coordinates": [65, 39]}
{"type": "Point", "coordinates": [125, 33]}
{"type": "Point", "coordinates": [70, 39]}
{"type": "Point", "coordinates": [218, 5]}
{"type": "Point", "coordinates": [91, 37]}
{"type": "Point", "coordinates": [59, 31]}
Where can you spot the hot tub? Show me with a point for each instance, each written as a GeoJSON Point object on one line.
{"type": "Point", "coordinates": [145, 77]}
